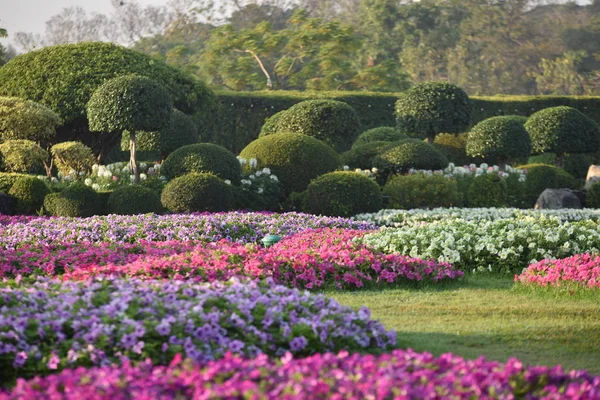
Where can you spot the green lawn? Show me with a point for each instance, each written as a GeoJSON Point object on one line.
{"type": "Point", "coordinates": [488, 315]}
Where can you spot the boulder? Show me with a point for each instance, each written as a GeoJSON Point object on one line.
{"type": "Point", "coordinates": [554, 199]}
{"type": "Point", "coordinates": [6, 204]}
{"type": "Point", "coordinates": [593, 176]}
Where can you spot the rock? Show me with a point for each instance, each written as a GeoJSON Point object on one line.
{"type": "Point", "coordinates": [554, 199]}
{"type": "Point", "coordinates": [6, 204]}
{"type": "Point", "coordinates": [593, 176]}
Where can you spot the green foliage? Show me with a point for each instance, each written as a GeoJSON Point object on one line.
{"type": "Point", "coordinates": [271, 124]}
{"type": "Point", "coordinates": [25, 119]}
{"type": "Point", "coordinates": [202, 157]}
{"type": "Point", "coordinates": [295, 159]}
{"type": "Point", "coordinates": [592, 198]}
{"type": "Point", "coordinates": [454, 147]}
{"type": "Point", "coordinates": [333, 122]}
{"type": "Point", "coordinates": [488, 190]}
{"type": "Point", "coordinates": [197, 192]}
{"type": "Point", "coordinates": [563, 130]}
{"type": "Point", "coordinates": [576, 164]}
{"type": "Point", "coordinates": [502, 138]}
{"type": "Point", "coordinates": [410, 153]}
{"type": "Point", "coordinates": [7, 179]}
{"type": "Point", "coordinates": [541, 176]}
{"type": "Point", "coordinates": [421, 191]}
{"type": "Point", "coordinates": [22, 156]}
{"type": "Point", "coordinates": [379, 134]}
{"type": "Point", "coordinates": [77, 200]}
{"type": "Point", "coordinates": [432, 108]}
{"type": "Point", "coordinates": [134, 199]}
{"type": "Point", "coordinates": [362, 156]}
{"type": "Point", "coordinates": [29, 193]}
{"type": "Point", "coordinates": [343, 194]}
{"type": "Point", "coordinates": [72, 156]}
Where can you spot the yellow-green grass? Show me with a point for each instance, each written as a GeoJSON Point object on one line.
{"type": "Point", "coordinates": [491, 316]}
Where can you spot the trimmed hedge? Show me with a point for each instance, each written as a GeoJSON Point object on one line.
{"type": "Point", "coordinates": [362, 156]}
{"type": "Point", "coordinates": [488, 190]}
{"type": "Point", "coordinates": [22, 156]}
{"type": "Point", "coordinates": [541, 176]}
{"type": "Point", "coordinates": [410, 153]}
{"type": "Point", "coordinates": [197, 192]}
{"type": "Point", "coordinates": [29, 193]}
{"type": "Point", "coordinates": [134, 199]}
{"type": "Point", "coordinates": [202, 157]}
{"type": "Point", "coordinates": [454, 147]}
{"type": "Point", "coordinates": [72, 156]}
{"type": "Point", "coordinates": [77, 200]}
{"type": "Point", "coordinates": [421, 191]}
{"type": "Point", "coordinates": [7, 179]}
{"type": "Point", "coordinates": [379, 134]}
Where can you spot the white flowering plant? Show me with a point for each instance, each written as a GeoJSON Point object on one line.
{"type": "Point", "coordinates": [260, 188]}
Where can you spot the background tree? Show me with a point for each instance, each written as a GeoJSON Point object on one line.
{"type": "Point", "coordinates": [130, 103]}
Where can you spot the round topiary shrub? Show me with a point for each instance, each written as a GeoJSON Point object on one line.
{"type": "Point", "coordinates": [333, 122]}
{"type": "Point", "coordinates": [72, 156]}
{"type": "Point", "coordinates": [202, 157]}
{"type": "Point", "coordinates": [23, 156]}
{"type": "Point", "coordinates": [270, 125]}
{"type": "Point", "coordinates": [134, 199]}
{"type": "Point", "coordinates": [294, 158]}
{"type": "Point", "coordinates": [592, 198]}
{"type": "Point", "coordinates": [196, 192]}
{"type": "Point", "coordinates": [29, 193]}
{"type": "Point", "coordinates": [488, 190]}
{"type": "Point", "coordinates": [25, 119]}
{"type": "Point", "coordinates": [421, 191]}
{"type": "Point", "coordinates": [77, 200]}
{"type": "Point", "coordinates": [410, 153]}
{"type": "Point", "coordinates": [380, 134]}
{"type": "Point", "coordinates": [362, 156]}
{"type": "Point", "coordinates": [541, 176]}
{"type": "Point", "coordinates": [576, 164]}
{"type": "Point", "coordinates": [343, 194]}
{"type": "Point", "coordinates": [454, 147]}
{"type": "Point", "coordinates": [432, 108]}
{"type": "Point", "coordinates": [502, 138]}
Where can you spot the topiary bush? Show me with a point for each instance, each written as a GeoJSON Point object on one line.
{"type": "Point", "coordinates": [7, 179]}
{"type": "Point", "coordinates": [29, 193]}
{"type": "Point", "coordinates": [421, 191]}
{"type": "Point", "coordinates": [202, 157]}
{"type": "Point", "coordinates": [134, 199]}
{"type": "Point", "coordinates": [432, 108]}
{"type": "Point", "coordinates": [576, 164]}
{"type": "Point", "coordinates": [454, 147]}
{"type": "Point", "coordinates": [380, 134]}
{"type": "Point", "coordinates": [343, 194]}
{"type": "Point", "coordinates": [410, 153]}
{"type": "Point", "coordinates": [502, 138]}
{"type": "Point", "coordinates": [23, 156]}
{"type": "Point", "coordinates": [72, 156]}
{"type": "Point", "coordinates": [362, 156]}
{"type": "Point", "coordinates": [333, 122]}
{"type": "Point", "coordinates": [294, 158]}
{"type": "Point", "coordinates": [542, 176]}
{"type": "Point", "coordinates": [26, 120]}
{"type": "Point", "coordinates": [488, 190]}
{"type": "Point", "coordinates": [592, 198]}
{"type": "Point", "coordinates": [197, 192]}
{"type": "Point", "coordinates": [77, 200]}
{"type": "Point", "coordinates": [270, 125]}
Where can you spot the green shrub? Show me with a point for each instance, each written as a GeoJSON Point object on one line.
{"type": "Point", "coordinates": [410, 153]}
{"type": "Point", "coordinates": [134, 199]}
{"type": "Point", "coordinates": [29, 193]}
{"type": "Point", "coordinates": [380, 134]}
{"type": "Point", "coordinates": [502, 138]}
{"type": "Point", "coordinates": [576, 164]}
{"type": "Point", "coordinates": [454, 147]}
{"type": "Point", "coordinates": [271, 124]}
{"type": "Point", "coordinates": [488, 190]}
{"type": "Point", "coordinates": [7, 179]}
{"type": "Point", "coordinates": [421, 191]}
{"type": "Point", "coordinates": [362, 156]}
{"type": "Point", "coordinates": [25, 119]}
{"type": "Point", "coordinates": [23, 156]}
{"type": "Point", "coordinates": [592, 198]}
{"type": "Point", "coordinates": [202, 157]}
{"type": "Point", "coordinates": [294, 158]}
{"type": "Point", "coordinates": [72, 156]}
{"type": "Point", "coordinates": [197, 192]}
{"type": "Point", "coordinates": [343, 194]}
{"type": "Point", "coordinates": [333, 122]}
{"type": "Point", "coordinates": [541, 176]}
{"type": "Point", "coordinates": [432, 108]}
{"type": "Point", "coordinates": [77, 200]}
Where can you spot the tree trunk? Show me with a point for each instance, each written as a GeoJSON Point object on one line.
{"type": "Point", "coordinates": [430, 139]}
{"type": "Point", "coordinates": [502, 163]}
{"type": "Point", "coordinates": [134, 167]}
{"type": "Point", "coordinates": [560, 160]}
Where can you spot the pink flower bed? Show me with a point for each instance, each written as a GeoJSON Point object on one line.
{"type": "Point", "coordinates": [582, 269]}
{"type": "Point", "coordinates": [402, 374]}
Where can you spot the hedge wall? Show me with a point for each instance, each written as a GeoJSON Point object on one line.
{"type": "Point", "coordinates": [241, 114]}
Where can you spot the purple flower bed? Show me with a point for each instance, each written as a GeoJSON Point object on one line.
{"type": "Point", "coordinates": [400, 375]}
{"type": "Point", "coordinates": [48, 325]}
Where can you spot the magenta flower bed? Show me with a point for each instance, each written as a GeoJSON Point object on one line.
{"type": "Point", "coordinates": [400, 374]}
{"type": "Point", "coordinates": [583, 269]}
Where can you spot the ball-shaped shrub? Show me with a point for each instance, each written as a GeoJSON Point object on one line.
{"type": "Point", "coordinates": [26, 119]}
{"type": "Point", "coordinates": [410, 153]}
{"type": "Point", "coordinates": [454, 147]}
{"type": "Point", "coordinates": [343, 194]}
{"type": "Point", "coordinates": [196, 192]}
{"type": "Point", "coordinates": [294, 158]}
{"type": "Point", "coordinates": [72, 156]}
{"type": "Point", "coordinates": [134, 199]}
{"type": "Point", "coordinates": [334, 122]}
{"type": "Point", "coordinates": [77, 200]}
{"type": "Point", "coordinates": [362, 156]}
{"type": "Point", "coordinates": [22, 156]}
{"type": "Point", "coordinates": [421, 191]}
{"type": "Point", "coordinates": [7, 179]}
{"type": "Point", "coordinates": [503, 138]}
{"type": "Point", "coordinates": [270, 125]}
{"type": "Point", "coordinates": [202, 157]}
{"type": "Point", "coordinates": [380, 134]}
{"type": "Point", "coordinates": [433, 107]}
{"type": "Point", "coordinates": [592, 198]}
{"type": "Point", "coordinates": [541, 176]}
{"type": "Point", "coordinates": [563, 130]}
{"type": "Point", "coordinates": [29, 193]}
{"type": "Point", "coordinates": [576, 164]}
{"type": "Point", "coordinates": [488, 190]}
